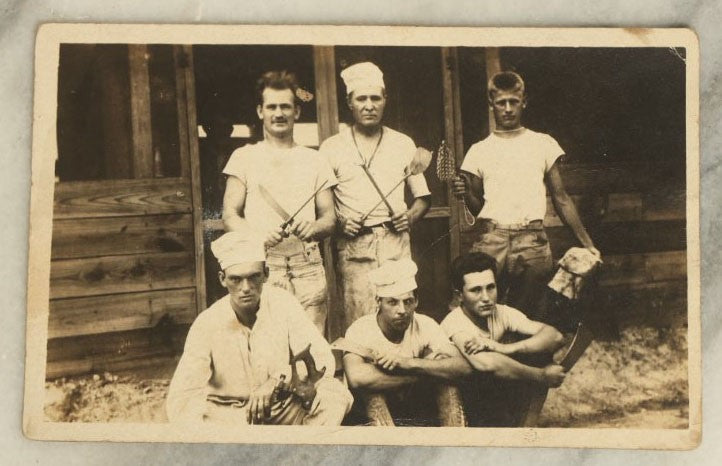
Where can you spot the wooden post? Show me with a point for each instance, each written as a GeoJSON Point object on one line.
{"type": "Point", "coordinates": [324, 65]}
{"type": "Point", "coordinates": [180, 63]}
{"type": "Point", "coordinates": [140, 111]}
{"type": "Point", "coordinates": [187, 98]}
{"type": "Point", "coordinates": [493, 66]}
{"type": "Point", "coordinates": [453, 136]}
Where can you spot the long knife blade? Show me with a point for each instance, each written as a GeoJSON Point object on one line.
{"type": "Point", "coordinates": [582, 338]}
{"type": "Point", "coordinates": [579, 344]}
{"type": "Point", "coordinates": [342, 344]}
{"type": "Point", "coordinates": [272, 203]}
{"type": "Point", "coordinates": [378, 190]}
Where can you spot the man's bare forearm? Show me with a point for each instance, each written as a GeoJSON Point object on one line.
{"type": "Point", "coordinates": [418, 209]}
{"type": "Point", "coordinates": [369, 377]}
{"type": "Point", "coordinates": [568, 213]}
{"type": "Point", "coordinates": [504, 367]}
{"type": "Point", "coordinates": [547, 340]}
{"type": "Point", "coordinates": [325, 226]}
{"type": "Point", "coordinates": [452, 368]}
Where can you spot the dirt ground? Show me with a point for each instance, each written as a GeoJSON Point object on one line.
{"type": "Point", "coordinates": [639, 381]}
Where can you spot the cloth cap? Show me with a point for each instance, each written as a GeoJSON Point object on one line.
{"type": "Point", "coordinates": [394, 278]}
{"type": "Point", "coordinates": [362, 75]}
{"type": "Point", "coordinates": [236, 247]}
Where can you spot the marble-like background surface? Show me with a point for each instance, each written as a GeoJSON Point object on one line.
{"type": "Point", "coordinates": [18, 23]}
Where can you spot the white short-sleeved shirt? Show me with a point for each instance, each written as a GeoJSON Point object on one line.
{"type": "Point", "coordinates": [505, 319]}
{"type": "Point", "coordinates": [290, 175]}
{"type": "Point", "coordinates": [512, 168]}
{"type": "Point", "coordinates": [355, 195]}
{"type": "Point", "coordinates": [422, 339]}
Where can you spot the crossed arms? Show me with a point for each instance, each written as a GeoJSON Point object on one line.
{"type": "Point", "coordinates": [488, 356]}
{"type": "Point", "coordinates": [389, 371]}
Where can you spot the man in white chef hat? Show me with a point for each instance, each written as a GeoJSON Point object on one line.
{"type": "Point", "coordinates": [237, 352]}
{"type": "Point", "coordinates": [402, 355]}
{"type": "Point", "coordinates": [362, 155]}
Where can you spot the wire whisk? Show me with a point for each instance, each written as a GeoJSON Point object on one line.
{"type": "Point", "coordinates": [446, 172]}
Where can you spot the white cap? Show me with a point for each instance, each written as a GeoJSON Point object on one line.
{"type": "Point", "coordinates": [362, 75]}
{"type": "Point", "coordinates": [237, 247]}
{"type": "Point", "coordinates": [394, 278]}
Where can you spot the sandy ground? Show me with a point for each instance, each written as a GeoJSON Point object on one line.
{"type": "Point", "coordinates": [638, 381]}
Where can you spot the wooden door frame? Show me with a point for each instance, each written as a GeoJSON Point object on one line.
{"type": "Point", "coordinates": [190, 157]}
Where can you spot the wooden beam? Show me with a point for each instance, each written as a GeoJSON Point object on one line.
{"type": "Point", "coordinates": [93, 237]}
{"type": "Point", "coordinates": [439, 212]}
{"type": "Point", "coordinates": [195, 173]}
{"type": "Point", "coordinates": [155, 360]}
{"type": "Point", "coordinates": [453, 135]}
{"type": "Point", "coordinates": [635, 269]}
{"type": "Point", "coordinates": [493, 66]}
{"type": "Point", "coordinates": [140, 111]}
{"type": "Point", "coordinates": [165, 335]}
{"type": "Point", "coordinates": [213, 224]}
{"type": "Point", "coordinates": [624, 207]}
{"type": "Point", "coordinates": [115, 113]}
{"type": "Point", "coordinates": [184, 142]}
{"type": "Point", "coordinates": [324, 66]}
{"type": "Point", "coordinates": [661, 303]}
{"type": "Point", "coordinates": [130, 311]}
{"type": "Point", "coordinates": [120, 274]}
{"type": "Point", "coordinates": [113, 198]}
{"type": "Point", "coordinates": [625, 237]}
{"type": "Point", "coordinates": [114, 352]}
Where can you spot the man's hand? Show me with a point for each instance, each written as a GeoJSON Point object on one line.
{"type": "Point", "coordinates": [350, 227]}
{"type": "Point", "coordinates": [389, 362]}
{"type": "Point", "coordinates": [553, 375]}
{"type": "Point", "coordinates": [274, 237]}
{"type": "Point", "coordinates": [478, 344]}
{"type": "Point", "coordinates": [304, 230]}
{"type": "Point", "coordinates": [458, 187]}
{"type": "Point", "coordinates": [401, 222]}
{"type": "Point", "coordinates": [595, 251]}
{"type": "Point", "coordinates": [259, 403]}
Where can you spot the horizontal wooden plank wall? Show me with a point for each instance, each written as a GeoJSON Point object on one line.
{"type": "Point", "coordinates": [640, 228]}
{"type": "Point", "coordinates": [122, 275]}
{"type": "Point", "coordinates": [114, 198]}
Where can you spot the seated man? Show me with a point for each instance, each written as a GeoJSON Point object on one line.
{"type": "Point", "coordinates": [408, 357]}
{"type": "Point", "coordinates": [236, 358]}
{"type": "Point", "coordinates": [478, 327]}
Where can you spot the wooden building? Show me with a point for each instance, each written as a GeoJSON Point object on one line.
{"type": "Point", "coordinates": [145, 130]}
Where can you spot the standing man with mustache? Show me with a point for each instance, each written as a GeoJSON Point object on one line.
{"type": "Point", "coordinates": [505, 182]}
{"type": "Point", "coordinates": [366, 158]}
{"type": "Point", "coordinates": [290, 174]}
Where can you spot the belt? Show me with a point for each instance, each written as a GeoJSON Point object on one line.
{"type": "Point", "coordinates": [366, 230]}
{"type": "Point", "coordinates": [533, 225]}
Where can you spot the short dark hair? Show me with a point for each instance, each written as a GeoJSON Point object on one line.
{"type": "Point", "coordinates": [505, 81]}
{"type": "Point", "coordinates": [470, 263]}
{"type": "Point", "coordinates": [278, 80]}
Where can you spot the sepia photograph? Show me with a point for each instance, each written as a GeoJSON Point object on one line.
{"type": "Point", "coordinates": [434, 236]}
